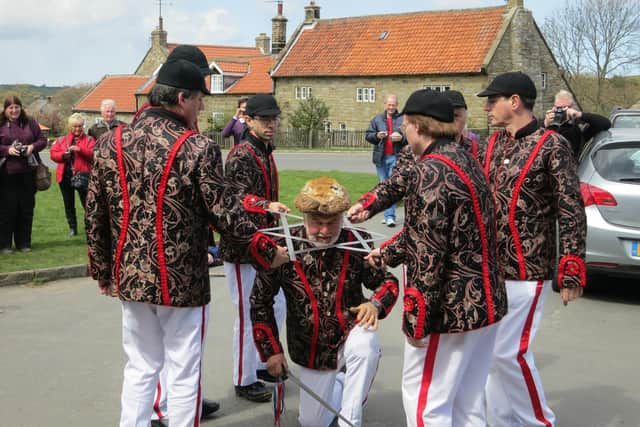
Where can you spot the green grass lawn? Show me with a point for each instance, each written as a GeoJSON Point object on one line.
{"type": "Point", "coordinates": [52, 246]}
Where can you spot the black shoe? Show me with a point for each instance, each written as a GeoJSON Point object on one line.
{"type": "Point", "coordinates": [158, 423]}
{"type": "Point", "coordinates": [265, 376]}
{"type": "Point", "coordinates": [208, 408]}
{"type": "Point", "coordinates": [255, 392]}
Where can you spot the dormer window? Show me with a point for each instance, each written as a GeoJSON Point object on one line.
{"type": "Point", "coordinates": [216, 83]}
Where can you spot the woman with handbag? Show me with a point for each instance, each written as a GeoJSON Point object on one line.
{"type": "Point", "coordinates": [20, 138]}
{"type": "Point", "coordinates": [74, 154]}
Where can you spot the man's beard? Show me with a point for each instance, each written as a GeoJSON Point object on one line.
{"type": "Point", "coordinates": [323, 244]}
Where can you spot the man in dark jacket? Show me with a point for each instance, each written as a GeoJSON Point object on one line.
{"type": "Point", "coordinates": [330, 323]}
{"type": "Point", "coordinates": [532, 175]}
{"type": "Point", "coordinates": [576, 126]}
{"type": "Point", "coordinates": [384, 132]}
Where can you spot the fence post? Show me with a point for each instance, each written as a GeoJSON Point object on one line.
{"type": "Point", "coordinates": [310, 139]}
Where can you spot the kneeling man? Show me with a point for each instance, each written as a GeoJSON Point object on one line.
{"type": "Point", "coordinates": [330, 324]}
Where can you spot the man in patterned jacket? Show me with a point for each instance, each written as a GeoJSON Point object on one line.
{"type": "Point", "coordinates": [154, 187]}
{"type": "Point", "coordinates": [251, 180]}
{"type": "Point", "coordinates": [330, 324]}
{"type": "Point", "coordinates": [532, 175]}
{"type": "Point", "coordinates": [454, 293]}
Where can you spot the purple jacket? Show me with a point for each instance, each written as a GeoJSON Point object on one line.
{"type": "Point", "coordinates": [27, 133]}
{"type": "Point", "coordinates": [236, 128]}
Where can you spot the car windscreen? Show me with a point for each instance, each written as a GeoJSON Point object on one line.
{"type": "Point", "coordinates": [626, 121]}
{"type": "Point", "coordinates": [618, 162]}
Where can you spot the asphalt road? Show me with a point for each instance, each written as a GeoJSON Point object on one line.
{"type": "Point", "coordinates": [61, 359]}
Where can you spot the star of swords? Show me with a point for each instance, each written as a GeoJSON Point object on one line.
{"type": "Point", "coordinates": [361, 244]}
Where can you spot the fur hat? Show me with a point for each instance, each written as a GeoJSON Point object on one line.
{"type": "Point", "coordinates": [323, 195]}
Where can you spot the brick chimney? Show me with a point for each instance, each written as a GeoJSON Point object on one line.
{"type": "Point", "coordinates": [311, 12]}
{"type": "Point", "coordinates": [263, 43]}
{"type": "Point", "coordinates": [159, 36]}
{"type": "Point", "coordinates": [278, 30]}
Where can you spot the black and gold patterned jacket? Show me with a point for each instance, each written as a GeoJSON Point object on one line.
{"type": "Point", "coordinates": [251, 180]}
{"type": "Point", "coordinates": [154, 188]}
{"type": "Point", "coordinates": [448, 244]}
{"type": "Point", "coordinates": [319, 287]}
{"type": "Point", "coordinates": [533, 179]}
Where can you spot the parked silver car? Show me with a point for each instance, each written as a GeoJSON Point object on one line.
{"type": "Point", "coordinates": [609, 173]}
{"type": "Point", "coordinates": [625, 118]}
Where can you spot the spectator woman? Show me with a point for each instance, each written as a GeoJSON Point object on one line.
{"type": "Point", "coordinates": [73, 153]}
{"type": "Point", "coordinates": [20, 137]}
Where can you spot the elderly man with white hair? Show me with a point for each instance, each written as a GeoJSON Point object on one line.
{"type": "Point", "coordinates": [108, 122]}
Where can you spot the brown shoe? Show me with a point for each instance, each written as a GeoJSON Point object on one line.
{"type": "Point", "coordinates": [255, 392]}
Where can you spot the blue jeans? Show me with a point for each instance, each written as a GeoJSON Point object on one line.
{"type": "Point", "coordinates": [384, 171]}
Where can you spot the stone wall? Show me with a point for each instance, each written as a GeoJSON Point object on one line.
{"type": "Point", "coordinates": [523, 49]}
{"type": "Point", "coordinates": [339, 93]}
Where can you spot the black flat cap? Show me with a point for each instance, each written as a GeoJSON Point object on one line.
{"type": "Point", "coordinates": [182, 74]}
{"type": "Point", "coordinates": [262, 104]}
{"type": "Point", "coordinates": [456, 98]}
{"type": "Point", "coordinates": [193, 55]}
{"type": "Point", "coordinates": [427, 102]}
{"type": "Point", "coordinates": [511, 83]}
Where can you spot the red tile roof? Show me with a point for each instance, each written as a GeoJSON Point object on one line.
{"type": "Point", "coordinates": [440, 42]}
{"type": "Point", "coordinates": [258, 79]}
{"type": "Point", "coordinates": [234, 67]}
{"type": "Point", "coordinates": [119, 88]}
{"type": "Point", "coordinates": [214, 51]}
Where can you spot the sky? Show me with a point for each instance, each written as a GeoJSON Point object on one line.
{"type": "Point", "coordinates": [67, 42]}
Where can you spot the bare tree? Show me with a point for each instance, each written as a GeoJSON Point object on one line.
{"type": "Point", "coordinates": [597, 37]}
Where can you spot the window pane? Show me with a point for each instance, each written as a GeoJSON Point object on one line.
{"type": "Point", "coordinates": [372, 94]}
{"type": "Point", "coordinates": [359, 94]}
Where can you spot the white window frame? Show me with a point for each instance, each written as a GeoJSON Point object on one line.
{"type": "Point", "coordinates": [327, 125]}
{"type": "Point", "coordinates": [543, 80]}
{"type": "Point", "coordinates": [366, 94]}
{"type": "Point", "coordinates": [303, 92]}
{"type": "Point", "coordinates": [438, 88]}
{"type": "Point", "coordinates": [217, 83]}
{"type": "Point", "coordinates": [342, 126]}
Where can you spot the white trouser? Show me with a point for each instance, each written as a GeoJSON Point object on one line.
{"type": "Point", "coordinates": [346, 392]}
{"type": "Point", "coordinates": [160, 398]}
{"type": "Point", "coordinates": [443, 382]}
{"type": "Point", "coordinates": [514, 391]}
{"type": "Point", "coordinates": [240, 278]}
{"type": "Point", "coordinates": [153, 336]}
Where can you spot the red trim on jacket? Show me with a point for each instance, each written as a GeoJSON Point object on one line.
{"type": "Point", "coordinates": [474, 148]}
{"type": "Point", "coordinates": [391, 239]}
{"type": "Point", "coordinates": [276, 184]}
{"type": "Point", "coordinates": [409, 306]}
{"type": "Point", "coordinates": [490, 146]}
{"type": "Point", "coordinates": [387, 287]}
{"type": "Point", "coordinates": [572, 265]}
{"type": "Point", "coordinates": [263, 169]}
{"type": "Point", "coordinates": [514, 204]}
{"type": "Point", "coordinates": [262, 330]}
{"type": "Point", "coordinates": [162, 263]}
{"type": "Point", "coordinates": [483, 232]}
{"type": "Point", "coordinates": [258, 245]}
{"type": "Point", "coordinates": [316, 314]}
{"type": "Point", "coordinates": [427, 376]}
{"type": "Point", "coordinates": [526, 371]}
{"type": "Point", "coordinates": [250, 204]}
{"type": "Point", "coordinates": [125, 204]}
{"type": "Point", "coordinates": [340, 288]}
{"type": "Point", "coordinates": [369, 198]}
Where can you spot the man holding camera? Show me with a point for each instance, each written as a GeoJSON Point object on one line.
{"type": "Point", "coordinates": [384, 132]}
{"type": "Point", "coordinates": [576, 126]}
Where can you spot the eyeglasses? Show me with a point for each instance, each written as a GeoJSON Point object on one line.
{"type": "Point", "coordinates": [267, 120]}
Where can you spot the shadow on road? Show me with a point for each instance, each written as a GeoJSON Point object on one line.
{"type": "Point", "coordinates": [614, 289]}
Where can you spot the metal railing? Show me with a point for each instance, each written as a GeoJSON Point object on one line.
{"type": "Point", "coordinates": [331, 140]}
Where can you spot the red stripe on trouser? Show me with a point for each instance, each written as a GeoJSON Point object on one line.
{"type": "Point", "coordinates": [156, 404]}
{"type": "Point", "coordinates": [241, 323]}
{"type": "Point", "coordinates": [196, 422]}
{"type": "Point", "coordinates": [427, 375]}
{"type": "Point", "coordinates": [526, 371]}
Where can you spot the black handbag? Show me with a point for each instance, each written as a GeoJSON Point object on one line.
{"type": "Point", "coordinates": [80, 180]}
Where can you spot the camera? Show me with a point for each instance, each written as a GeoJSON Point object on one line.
{"type": "Point", "coordinates": [22, 149]}
{"type": "Point", "coordinates": [559, 117]}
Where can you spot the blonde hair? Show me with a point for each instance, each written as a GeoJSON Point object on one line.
{"type": "Point", "coordinates": [428, 126]}
{"type": "Point", "coordinates": [75, 119]}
